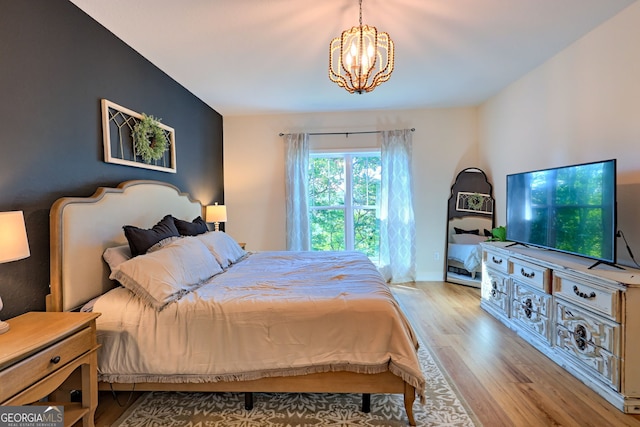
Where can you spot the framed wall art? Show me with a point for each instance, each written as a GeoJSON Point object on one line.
{"type": "Point", "coordinates": [474, 202]}
{"type": "Point", "coordinates": [136, 139]}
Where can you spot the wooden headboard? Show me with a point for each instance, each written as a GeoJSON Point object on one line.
{"type": "Point", "coordinates": [83, 227]}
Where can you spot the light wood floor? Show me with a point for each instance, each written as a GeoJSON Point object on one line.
{"type": "Point", "coordinates": [504, 380]}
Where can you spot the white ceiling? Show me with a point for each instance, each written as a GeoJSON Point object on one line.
{"type": "Point", "coordinates": [271, 56]}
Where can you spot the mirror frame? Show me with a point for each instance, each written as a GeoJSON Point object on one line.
{"type": "Point", "coordinates": [470, 207]}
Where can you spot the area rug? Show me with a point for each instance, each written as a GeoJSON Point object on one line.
{"type": "Point", "coordinates": [444, 407]}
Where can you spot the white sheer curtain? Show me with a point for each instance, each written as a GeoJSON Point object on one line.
{"type": "Point", "coordinates": [297, 178]}
{"type": "Point", "coordinates": [397, 225]}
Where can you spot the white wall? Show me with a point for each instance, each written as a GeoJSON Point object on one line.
{"type": "Point", "coordinates": [444, 143]}
{"type": "Point", "coordinates": [582, 105]}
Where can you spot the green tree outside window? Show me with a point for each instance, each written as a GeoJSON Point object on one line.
{"type": "Point", "coordinates": [344, 202]}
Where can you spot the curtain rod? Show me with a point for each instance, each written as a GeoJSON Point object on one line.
{"type": "Point", "coordinates": [343, 133]}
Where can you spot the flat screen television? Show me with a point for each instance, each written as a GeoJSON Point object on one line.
{"type": "Point", "coordinates": [570, 209]}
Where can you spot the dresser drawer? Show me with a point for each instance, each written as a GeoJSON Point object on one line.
{"type": "Point", "coordinates": [585, 294]}
{"type": "Point", "coordinates": [531, 309]}
{"type": "Point", "coordinates": [41, 364]}
{"type": "Point", "coordinates": [495, 290]}
{"type": "Point", "coordinates": [496, 261]}
{"type": "Point", "coordinates": [531, 320]}
{"type": "Point", "coordinates": [536, 301]}
{"type": "Point", "coordinates": [534, 275]}
{"type": "Point", "coordinates": [588, 329]}
{"type": "Point", "coordinates": [596, 361]}
{"type": "Point", "coordinates": [493, 282]}
{"type": "Point", "coordinates": [499, 301]}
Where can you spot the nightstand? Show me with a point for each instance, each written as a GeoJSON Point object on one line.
{"type": "Point", "coordinates": [49, 354]}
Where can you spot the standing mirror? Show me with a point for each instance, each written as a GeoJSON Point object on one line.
{"type": "Point", "coordinates": [469, 221]}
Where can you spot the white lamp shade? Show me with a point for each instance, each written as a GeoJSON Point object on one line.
{"type": "Point", "coordinates": [13, 237]}
{"type": "Point", "coordinates": [216, 213]}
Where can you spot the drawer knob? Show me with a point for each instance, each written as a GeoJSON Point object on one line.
{"type": "Point", "coordinates": [496, 260]}
{"type": "Point", "coordinates": [582, 294]}
{"type": "Point", "coordinates": [527, 275]}
{"type": "Point", "coordinates": [55, 359]}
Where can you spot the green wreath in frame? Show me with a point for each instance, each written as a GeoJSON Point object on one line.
{"type": "Point", "coordinates": [149, 140]}
{"type": "Point", "coordinates": [475, 201]}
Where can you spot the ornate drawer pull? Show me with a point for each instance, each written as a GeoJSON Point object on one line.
{"type": "Point", "coordinates": [55, 359]}
{"type": "Point", "coordinates": [527, 311]}
{"type": "Point", "coordinates": [496, 260]}
{"type": "Point", "coordinates": [527, 275]}
{"type": "Point", "coordinates": [580, 337]}
{"type": "Point", "coordinates": [582, 294]}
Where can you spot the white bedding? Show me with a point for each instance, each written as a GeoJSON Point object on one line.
{"type": "Point", "coordinates": [271, 314]}
{"type": "Point", "coordinates": [469, 255]}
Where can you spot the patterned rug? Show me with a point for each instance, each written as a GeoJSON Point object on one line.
{"type": "Point", "coordinates": [444, 407]}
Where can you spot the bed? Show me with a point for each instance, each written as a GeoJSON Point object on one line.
{"type": "Point", "coordinates": [469, 222]}
{"type": "Point", "coordinates": [268, 321]}
{"type": "Point", "coordinates": [464, 253]}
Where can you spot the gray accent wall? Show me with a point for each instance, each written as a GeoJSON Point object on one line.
{"type": "Point", "coordinates": [56, 64]}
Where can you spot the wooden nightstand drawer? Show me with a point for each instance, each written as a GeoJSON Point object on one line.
{"type": "Point", "coordinates": [48, 355]}
{"type": "Point", "coordinates": [41, 364]}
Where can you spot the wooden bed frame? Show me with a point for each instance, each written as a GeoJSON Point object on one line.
{"type": "Point", "coordinates": [83, 227]}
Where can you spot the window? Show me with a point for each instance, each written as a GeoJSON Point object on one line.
{"type": "Point", "coordinates": [344, 195]}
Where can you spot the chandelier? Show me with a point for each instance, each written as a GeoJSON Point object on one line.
{"type": "Point", "coordinates": [361, 58]}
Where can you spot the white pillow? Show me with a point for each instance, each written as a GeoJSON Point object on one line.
{"type": "Point", "coordinates": [163, 243]}
{"type": "Point", "coordinates": [116, 255]}
{"type": "Point", "coordinates": [164, 276]}
{"type": "Point", "coordinates": [226, 250]}
{"type": "Point", "coordinates": [468, 239]}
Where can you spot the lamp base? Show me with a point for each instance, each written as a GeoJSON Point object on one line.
{"type": "Point", "coordinates": [4, 327]}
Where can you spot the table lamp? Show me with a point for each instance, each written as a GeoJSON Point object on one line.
{"type": "Point", "coordinates": [216, 214]}
{"type": "Point", "coordinates": [13, 244]}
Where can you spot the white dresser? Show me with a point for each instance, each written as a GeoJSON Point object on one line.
{"type": "Point", "coordinates": [585, 320]}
